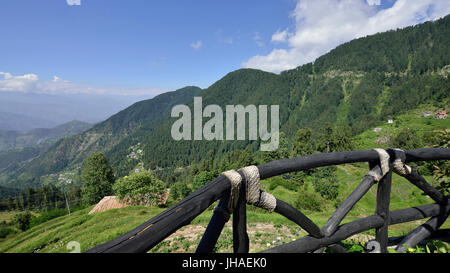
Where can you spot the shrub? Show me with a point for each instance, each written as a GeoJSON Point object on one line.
{"type": "Point", "coordinates": [22, 220]}
{"type": "Point", "coordinates": [307, 199]}
{"type": "Point", "coordinates": [202, 179]}
{"type": "Point", "coordinates": [179, 190]}
{"type": "Point", "coordinates": [273, 185]}
{"type": "Point", "coordinates": [325, 182]}
{"type": "Point", "coordinates": [407, 139]}
{"type": "Point", "coordinates": [140, 189]}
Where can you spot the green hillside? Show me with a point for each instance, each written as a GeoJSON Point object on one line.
{"type": "Point", "coordinates": [17, 140]}
{"type": "Point", "coordinates": [360, 84]}
{"type": "Point", "coordinates": [104, 136]}
{"type": "Point", "coordinates": [17, 148]}
{"type": "Point", "coordinates": [264, 228]}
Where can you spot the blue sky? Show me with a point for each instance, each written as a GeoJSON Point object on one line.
{"type": "Point", "coordinates": [147, 46]}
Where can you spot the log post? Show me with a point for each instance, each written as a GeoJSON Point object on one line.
{"type": "Point", "coordinates": [215, 226]}
{"type": "Point", "coordinates": [382, 209]}
{"type": "Point", "coordinates": [240, 237]}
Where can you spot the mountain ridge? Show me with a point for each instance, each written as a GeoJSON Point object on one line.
{"type": "Point", "coordinates": [357, 84]}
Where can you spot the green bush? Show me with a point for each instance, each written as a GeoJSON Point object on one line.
{"type": "Point", "coordinates": [179, 190]}
{"type": "Point", "coordinates": [202, 179]}
{"type": "Point", "coordinates": [273, 185]}
{"type": "Point", "coordinates": [140, 189]}
{"type": "Point", "coordinates": [307, 199]}
{"type": "Point", "coordinates": [325, 182]}
{"type": "Point", "coordinates": [22, 220]}
{"type": "Point", "coordinates": [407, 139]}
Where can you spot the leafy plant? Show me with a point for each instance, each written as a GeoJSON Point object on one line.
{"type": "Point", "coordinates": [307, 199]}
{"type": "Point", "coordinates": [97, 177]}
{"type": "Point", "coordinates": [407, 139]}
{"type": "Point", "coordinates": [22, 220]}
{"type": "Point", "coordinates": [325, 182]}
{"type": "Point", "coordinates": [140, 189]}
{"type": "Point", "coordinates": [202, 179]}
{"type": "Point", "coordinates": [179, 190]}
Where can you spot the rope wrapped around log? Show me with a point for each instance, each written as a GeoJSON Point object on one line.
{"type": "Point", "coordinates": [399, 165]}
{"type": "Point", "coordinates": [254, 195]}
{"type": "Point", "coordinates": [384, 165]}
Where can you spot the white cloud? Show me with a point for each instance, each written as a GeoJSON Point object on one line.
{"type": "Point", "coordinates": [322, 25]}
{"type": "Point", "coordinates": [56, 79]}
{"type": "Point", "coordinates": [73, 2]}
{"type": "Point", "coordinates": [258, 40]}
{"type": "Point", "coordinates": [196, 45]}
{"type": "Point", "coordinates": [280, 36]}
{"type": "Point", "coordinates": [374, 2]}
{"type": "Point", "coordinates": [30, 83]}
{"type": "Point", "coordinates": [20, 83]}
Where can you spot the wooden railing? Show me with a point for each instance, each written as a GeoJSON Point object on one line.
{"type": "Point", "coordinates": [381, 165]}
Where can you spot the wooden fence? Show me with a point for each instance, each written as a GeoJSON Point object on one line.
{"type": "Point", "coordinates": [381, 165]}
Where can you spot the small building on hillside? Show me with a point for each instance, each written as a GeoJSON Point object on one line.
{"type": "Point", "coordinates": [441, 115]}
{"type": "Point", "coordinates": [377, 129]}
{"type": "Point", "coordinates": [390, 121]}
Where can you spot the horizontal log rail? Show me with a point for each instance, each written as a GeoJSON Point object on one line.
{"type": "Point", "coordinates": [147, 235]}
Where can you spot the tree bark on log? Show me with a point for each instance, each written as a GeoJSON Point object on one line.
{"type": "Point", "coordinates": [309, 243]}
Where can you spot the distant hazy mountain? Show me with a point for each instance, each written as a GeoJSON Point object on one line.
{"type": "Point", "coordinates": [17, 148]}
{"type": "Point", "coordinates": [14, 139]}
{"type": "Point", "coordinates": [26, 111]}
{"type": "Point", "coordinates": [20, 122]}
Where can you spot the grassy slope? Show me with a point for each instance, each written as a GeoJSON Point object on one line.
{"type": "Point", "coordinates": [412, 119]}
{"type": "Point", "coordinates": [90, 230]}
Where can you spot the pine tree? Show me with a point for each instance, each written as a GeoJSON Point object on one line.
{"type": "Point", "coordinates": [97, 177]}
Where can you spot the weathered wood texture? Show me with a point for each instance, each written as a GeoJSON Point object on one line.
{"type": "Point", "coordinates": [422, 232]}
{"type": "Point", "coordinates": [309, 243]}
{"type": "Point", "coordinates": [382, 209]}
{"type": "Point", "coordinates": [220, 217]}
{"type": "Point", "coordinates": [299, 218]}
{"type": "Point", "coordinates": [422, 184]}
{"type": "Point", "coordinates": [282, 166]}
{"type": "Point", "coordinates": [241, 243]}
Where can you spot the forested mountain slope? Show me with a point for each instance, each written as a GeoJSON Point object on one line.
{"type": "Point", "coordinates": [68, 152]}
{"type": "Point", "coordinates": [358, 84]}
{"type": "Point", "coordinates": [14, 139]}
